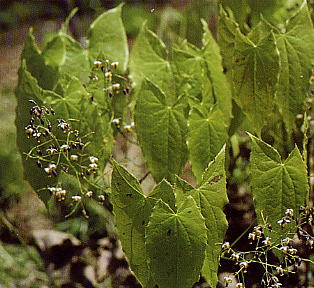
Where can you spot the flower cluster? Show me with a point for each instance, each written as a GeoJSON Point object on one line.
{"type": "Point", "coordinates": [286, 247]}
{"type": "Point", "coordinates": [107, 70]}
{"type": "Point", "coordinates": [59, 148]}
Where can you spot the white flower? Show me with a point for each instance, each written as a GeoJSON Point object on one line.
{"type": "Point", "coordinates": [266, 242]}
{"type": "Point", "coordinates": [227, 279]}
{"type": "Point", "coordinates": [52, 151]}
{"type": "Point", "coordinates": [93, 160]}
{"type": "Point", "coordinates": [286, 241]}
{"type": "Point", "coordinates": [76, 198]}
{"type": "Point", "coordinates": [244, 264]}
{"type": "Point", "coordinates": [97, 63]}
{"type": "Point", "coordinates": [116, 86]}
{"type": "Point", "coordinates": [89, 194]}
{"type": "Point", "coordinates": [64, 147]}
{"type": "Point", "coordinates": [115, 121]}
{"type": "Point", "coordinates": [225, 246]}
{"type": "Point", "coordinates": [252, 236]}
{"type": "Point", "coordinates": [108, 74]}
{"type": "Point", "coordinates": [93, 166]}
{"type": "Point", "coordinates": [235, 257]}
{"type": "Point", "coordinates": [73, 157]}
{"type": "Point", "coordinates": [289, 213]}
{"type": "Point", "coordinates": [115, 65]}
{"type": "Point", "coordinates": [127, 127]}
{"type": "Point", "coordinates": [63, 125]}
{"type": "Point", "coordinates": [293, 251]}
{"type": "Point", "coordinates": [51, 167]}
{"type": "Point", "coordinates": [283, 222]}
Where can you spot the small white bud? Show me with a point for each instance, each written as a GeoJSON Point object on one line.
{"type": "Point", "coordinates": [115, 65]}
{"type": "Point", "coordinates": [73, 157]}
{"type": "Point", "coordinates": [76, 198]}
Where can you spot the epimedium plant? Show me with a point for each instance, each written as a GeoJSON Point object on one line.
{"type": "Point", "coordinates": [180, 104]}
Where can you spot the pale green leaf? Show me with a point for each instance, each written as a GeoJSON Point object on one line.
{"type": "Point", "coordinates": [161, 129]}
{"type": "Point", "coordinates": [54, 52]}
{"type": "Point", "coordinates": [190, 73]}
{"type": "Point", "coordinates": [98, 125]}
{"type": "Point", "coordinates": [207, 134]}
{"type": "Point", "coordinates": [211, 197]}
{"type": "Point", "coordinates": [132, 210]}
{"type": "Point", "coordinates": [227, 30]}
{"type": "Point", "coordinates": [295, 42]}
{"type": "Point", "coordinates": [46, 75]}
{"type": "Point", "coordinates": [68, 55]}
{"type": "Point", "coordinates": [277, 184]}
{"type": "Point", "coordinates": [255, 75]}
{"type": "Point", "coordinates": [164, 191]}
{"type": "Point", "coordinates": [76, 62]}
{"type": "Point", "coordinates": [175, 243]}
{"type": "Point", "coordinates": [239, 9]}
{"type": "Point", "coordinates": [107, 36]}
{"type": "Point", "coordinates": [149, 59]}
{"type": "Point", "coordinates": [182, 189]}
{"type": "Point", "coordinates": [266, 8]}
{"type": "Point", "coordinates": [221, 89]}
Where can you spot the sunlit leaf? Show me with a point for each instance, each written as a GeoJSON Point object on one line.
{"type": "Point", "coordinates": [277, 184]}
{"type": "Point", "coordinates": [173, 232]}
{"type": "Point", "coordinates": [211, 197]}
{"type": "Point", "coordinates": [161, 129]}
{"type": "Point", "coordinates": [207, 134]}
{"type": "Point", "coordinates": [221, 90]}
{"type": "Point", "coordinates": [295, 42]}
{"type": "Point", "coordinates": [132, 210]}
{"type": "Point", "coordinates": [149, 59]}
{"type": "Point", "coordinates": [255, 75]}
{"type": "Point", "coordinates": [107, 36]}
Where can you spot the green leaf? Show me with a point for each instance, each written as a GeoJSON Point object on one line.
{"type": "Point", "coordinates": [190, 73]}
{"type": "Point", "coordinates": [54, 52]}
{"type": "Point", "coordinates": [76, 62]}
{"type": "Point", "coordinates": [222, 91]}
{"type": "Point", "coordinates": [239, 9]}
{"type": "Point", "coordinates": [175, 243]}
{"type": "Point", "coordinates": [295, 42]}
{"type": "Point", "coordinates": [148, 59]}
{"type": "Point", "coordinates": [196, 10]}
{"type": "Point", "coordinates": [207, 134]}
{"type": "Point", "coordinates": [182, 189]}
{"type": "Point", "coordinates": [227, 30]}
{"type": "Point", "coordinates": [98, 125]}
{"type": "Point", "coordinates": [132, 210]}
{"type": "Point", "coordinates": [211, 197]}
{"type": "Point", "coordinates": [161, 129]}
{"type": "Point", "coordinates": [107, 36]}
{"type": "Point", "coordinates": [277, 184]}
{"type": "Point", "coordinates": [164, 191]}
{"type": "Point", "coordinates": [255, 75]}
{"type": "Point", "coordinates": [266, 8]}
{"type": "Point", "coordinates": [46, 75]}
